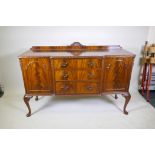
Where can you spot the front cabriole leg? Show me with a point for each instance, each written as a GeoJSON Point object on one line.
{"type": "Point", "coordinates": [116, 97]}
{"type": "Point", "coordinates": [127, 99]}
{"type": "Point", "coordinates": [26, 100]}
{"type": "Point", "coordinates": [36, 99]}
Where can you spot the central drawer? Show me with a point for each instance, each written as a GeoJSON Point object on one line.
{"type": "Point", "coordinates": [64, 63]}
{"type": "Point", "coordinates": [66, 88]}
{"type": "Point", "coordinates": [80, 63]}
{"type": "Point", "coordinates": [72, 75]}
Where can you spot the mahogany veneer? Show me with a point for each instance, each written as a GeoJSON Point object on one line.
{"type": "Point", "coordinates": [76, 70]}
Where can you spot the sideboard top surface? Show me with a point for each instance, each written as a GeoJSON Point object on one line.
{"type": "Point", "coordinates": [118, 52]}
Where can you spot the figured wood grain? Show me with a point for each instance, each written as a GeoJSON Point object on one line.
{"type": "Point", "coordinates": [66, 75]}
{"type": "Point", "coordinates": [77, 69]}
{"type": "Point", "coordinates": [89, 74]}
{"type": "Point", "coordinates": [81, 63]}
{"type": "Point", "coordinates": [116, 73]}
{"type": "Point", "coordinates": [89, 63]}
{"type": "Point", "coordinates": [65, 88]}
{"type": "Point", "coordinates": [37, 75]}
{"type": "Point", "coordinates": [69, 74]}
{"type": "Point", "coordinates": [73, 48]}
{"type": "Point", "coordinates": [87, 88]}
{"type": "Point", "coordinates": [64, 63]}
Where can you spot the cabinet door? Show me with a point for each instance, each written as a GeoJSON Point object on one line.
{"type": "Point", "coordinates": [117, 72]}
{"type": "Point", "coordinates": [37, 75]}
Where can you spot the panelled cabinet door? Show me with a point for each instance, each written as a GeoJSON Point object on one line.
{"type": "Point", "coordinates": [117, 72]}
{"type": "Point", "coordinates": [37, 75]}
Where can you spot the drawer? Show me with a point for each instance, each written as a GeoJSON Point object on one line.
{"type": "Point", "coordinates": [89, 63]}
{"type": "Point", "coordinates": [90, 74]}
{"type": "Point", "coordinates": [64, 63]}
{"type": "Point", "coordinates": [65, 75]}
{"type": "Point", "coordinates": [65, 88]}
{"type": "Point", "coordinates": [119, 59]}
{"type": "Point", "coordinates": [87, 88]}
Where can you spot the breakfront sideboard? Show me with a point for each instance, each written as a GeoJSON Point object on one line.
{"type": "Point", "coordinates": [76, 70]}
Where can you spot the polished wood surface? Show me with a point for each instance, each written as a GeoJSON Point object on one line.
{"type": "Point", "coordinates": [37, 75]}
{"type": "Point", "coordinates": [89, 75]}
{"type": "Point", "coordinates": [76, 75]}
{"type": "Point", "coordinates": [64, 63]}
{"type": "Point", "coordinates": [88, 88]}
{"type": "Point", "coordinates": [80, 63]}
{"type": "Point", "coordinates": [65, 75]}
{"type": "Point", "coordinates": [76, 46]}
{"type": "Point", "coordinates": [117, 72]}
{"type": "Point", "coordinates": [89, 63]}
{"type": "Point", "coordinates": [64, 88]}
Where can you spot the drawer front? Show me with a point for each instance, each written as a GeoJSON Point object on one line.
{"type": "Point", "coordinates": [82, 63]}
{"type": "Point", "coordinates": [89, 74]}
{"type": "Point", "coordinates": [87, 88]}
{"type": "Point", "coordinates": [89, 63]}
{"type": "Point", "coordinates": [65, 75]}
{"type": "Point", "coordinates": [65, 88]}
{"type": "Point", "coordinates": [64, 63]}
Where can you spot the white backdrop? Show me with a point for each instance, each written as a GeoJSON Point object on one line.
{"type": "Point", "coordinates": [16, 40]}
{"type": "Point", "coordinates": [151, 35]}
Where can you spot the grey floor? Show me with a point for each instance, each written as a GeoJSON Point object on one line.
{"type": "Point", "coordinates": [74, 112]}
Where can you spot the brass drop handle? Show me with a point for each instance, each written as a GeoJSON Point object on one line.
{"type": "Point", "coordinates": [108, 67]}
{"type": "Point", "coordinates": [64, 64]}
{"type": "Point", "coordinates": [89, 88]}
{"type": "Point", "coordinates": [90, 75]}
{"type": "Point", "coordinates": [65, 76]}
{"type": "Point", "coordinates": [65, 87]}
{"type": "Point", "coordinates": [120, 60]}
{"type": "Point", "coordinates": [126, 66]}
{"type": "Point", "coordinates": [91, 64]}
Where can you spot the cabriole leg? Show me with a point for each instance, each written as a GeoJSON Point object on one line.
{"type": "Point", "coordinates": [36, 99]}
{"type": "Point", "coordinates": [127, 99]}
{"type": "Point", "coordinates": [116, 97]}
{"type": "Point", "coordinates": [26, 100]}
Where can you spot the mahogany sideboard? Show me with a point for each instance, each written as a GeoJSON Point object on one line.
{"type": "Point", "coordinates": [76, 70]}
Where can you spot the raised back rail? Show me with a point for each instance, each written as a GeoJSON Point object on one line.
{"type": "Point", "coordinates": [75, 47]}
